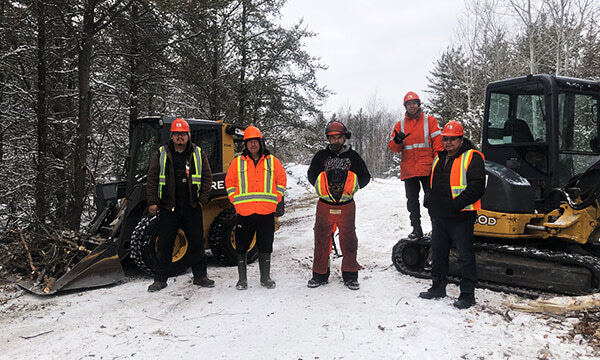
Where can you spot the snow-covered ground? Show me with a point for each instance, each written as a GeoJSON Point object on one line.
{"type": "Point", "coordinates": [385, 319]}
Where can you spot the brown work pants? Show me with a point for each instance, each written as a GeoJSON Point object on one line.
{"type": "Point", "coordinates": [328, 218]}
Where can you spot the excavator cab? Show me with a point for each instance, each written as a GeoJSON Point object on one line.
{"type": "Point", "coordinates": [543, 127]}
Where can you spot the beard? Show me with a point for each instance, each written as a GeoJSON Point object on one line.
{"type": "Point", "coordinates": [335, 147]}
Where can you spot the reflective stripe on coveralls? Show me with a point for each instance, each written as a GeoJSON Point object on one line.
{"type": "Point", "coordinates": [426, 135]}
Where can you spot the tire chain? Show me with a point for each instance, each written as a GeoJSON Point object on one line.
{"type": "Point", "coordinates": [217, 228]}
{"type": "Point", "coordinates": [138, 241]}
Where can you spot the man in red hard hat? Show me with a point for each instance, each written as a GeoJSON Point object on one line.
{"type": "Point", "coordinates": [457, 184]}
{"type": "Point", "coordinates": [336, 207]}
{"type": "Point", "coordinates": [255, 184]}
{"type": "Point", "coordinates": [417, 138]}
{"type": "Point", "coordinates": [179, 183]}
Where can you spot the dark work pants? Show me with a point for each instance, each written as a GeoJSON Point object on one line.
{"type": "Point", "coordinates": [327, 219]}
{"type": "Point", "coordinates": [448, 232]}
{"type": "Point", "coordinates": [169, 223]}
{"type": "Point", "coordinates": [261, 225]}
{"type": "Point", "coordinates": [412, 188]}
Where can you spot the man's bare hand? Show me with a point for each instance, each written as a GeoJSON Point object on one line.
{"type": "Point", "coordinates": [152, 209]}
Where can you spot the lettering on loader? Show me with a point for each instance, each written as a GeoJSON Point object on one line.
{"type": "Point", "coordinates": [484, 220]}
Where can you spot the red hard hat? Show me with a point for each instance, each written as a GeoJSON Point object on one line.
{"type": "Point", "coordinates": [180, 125]}
{"type": "Point", "coordinates": [453, 128]}
{"type": "Point", "coordinates": [252, 132]}
{"type": "Point", "coordinates": [411, 95]}
{"type": "Point", "coordinates": [335, 128]}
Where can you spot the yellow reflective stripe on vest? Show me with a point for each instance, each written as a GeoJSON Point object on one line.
{"type": "Point", "coordinates": [269, 194]}
{"type": "Point", "coordinates": [463, 161]}
{"type": "Point", "coordinates": [197, 177]}
{"type": "Point", "coordinates": [435, 161]}
{"type": "Point", "coordinates": [162, 178]}
{"type": "Point", "coordinates": [322, 187]}
{"type": "Point", "coordinates": [269, 176]}
{"type": "Point", "coordinates": [162, 174]}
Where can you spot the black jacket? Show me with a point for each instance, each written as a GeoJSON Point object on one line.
{"type": "Point", "coordinates": [439, 200]}
{"type": "Point", "coordinates": [346, 159]}
{"type": "Point", "coordinates": [173, 194]}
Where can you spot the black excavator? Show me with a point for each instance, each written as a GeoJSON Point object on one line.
{"type": "Point", "coordinates": [539, 228]}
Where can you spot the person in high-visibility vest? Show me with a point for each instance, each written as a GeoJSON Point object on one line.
{"type": "Point", "coordinates": [179, 182]}
{"type": "Point", "coordinates": [457, 184]}
{"type": "Point", "coordinates": [255, 184]}
{"type": "Point", "coordinates": [333, 212]}
{"type": "Point", "coordinates": [417, 138]}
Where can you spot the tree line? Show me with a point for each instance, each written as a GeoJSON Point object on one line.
{"type": "Point", "coordinates": [73, 73]}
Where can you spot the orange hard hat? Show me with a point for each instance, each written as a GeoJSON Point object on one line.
{"type": "Point", "coordinates": [180, 125]}
{"type": "Point", "coordinates": [335, 128]}
{"type": "Point", "coordinates": [252, 132]}
{"type": "Point", "coordinates": [453, 128]}
{"type": "Point", "coordinates": [411, 95]}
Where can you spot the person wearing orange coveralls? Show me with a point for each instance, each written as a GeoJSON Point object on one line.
{"type": "Point", "coordinates": [335, 212]}
{"type": "Point", "coordinates": [417, 138]}
{"type": "Point", "coordinates": [255, 184]}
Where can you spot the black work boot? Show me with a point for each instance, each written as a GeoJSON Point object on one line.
{"type": "Point", "coordinates": [352, 284]}
{"type": "Point", "coordinates": [318, 279]}
{"type": "Point", "coordinates": [417, 233]}
{"type": "Point", "coordinates": [157, 286]}
{"type": "Point", "coordinates": [351, 279]}
{"type": "Point", "coordinates": [264, 263]}
{"type": "Point", "coordinates": [203, 281]}
{"type": "Point", "coordinates": [242, 283]}
{"type": "Point", "coordinates": [436, 291]}
{"type": "Point", "coordinates": [465, 301]}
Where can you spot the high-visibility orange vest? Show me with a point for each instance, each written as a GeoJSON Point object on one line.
{"type": "Point", "coordinates": [350, 187]}
{"type": "Point", "coordinates": [255, 189]}
{"type": "Point", "coordinates": [458, 176]}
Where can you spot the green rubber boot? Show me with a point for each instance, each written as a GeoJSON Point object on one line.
{"type": "Point", "coordinates": [242, 283]}
{"type": "Point", "coordinates": [264, 263]}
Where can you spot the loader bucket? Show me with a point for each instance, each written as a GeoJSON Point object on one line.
{"type": "Point", "coordinates": [100, 268]}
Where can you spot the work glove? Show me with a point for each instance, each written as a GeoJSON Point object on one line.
{"type": "Point", "coordinates": [399, 137]}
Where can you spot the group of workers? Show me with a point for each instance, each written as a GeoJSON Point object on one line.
{"type": "Point", "coordinates": [444, 163]}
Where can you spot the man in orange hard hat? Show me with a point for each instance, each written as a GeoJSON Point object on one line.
{"type": "Point", "coordinates": [457, 184]}
{"type": "Point", "coordinates": [255, 184]}
{"type": "Point", "coordinates": [336, 209]}
{"type": "Point", "coordinates": [179, 183]}
{"type": "Point", "coordinates": [417, 137]}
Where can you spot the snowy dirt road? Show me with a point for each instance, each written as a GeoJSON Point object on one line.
{"type": "Point", "coordinates": [385, 319]}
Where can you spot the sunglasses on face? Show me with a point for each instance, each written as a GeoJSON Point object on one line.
{"type": "Point", "coordinates": [182, 134]}
{"type": "Point", "coordinates": [449, 138]}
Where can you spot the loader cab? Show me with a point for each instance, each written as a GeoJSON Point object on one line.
{"type": "Point", "coordinates": [150, 133]}
{"type": "Point", "coordinates": [543, 127]}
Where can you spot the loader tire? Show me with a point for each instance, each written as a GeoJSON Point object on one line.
{"type": "Point", "coordinates": [143, 247]}
{"type": "Point", "coordinates": [222, 239]}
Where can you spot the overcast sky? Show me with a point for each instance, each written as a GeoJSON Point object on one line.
{"type": "Point", "coordinates": [377, 48]}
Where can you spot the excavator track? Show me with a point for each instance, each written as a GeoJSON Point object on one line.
{"type": "Point", "coordinates": [521, 270]}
